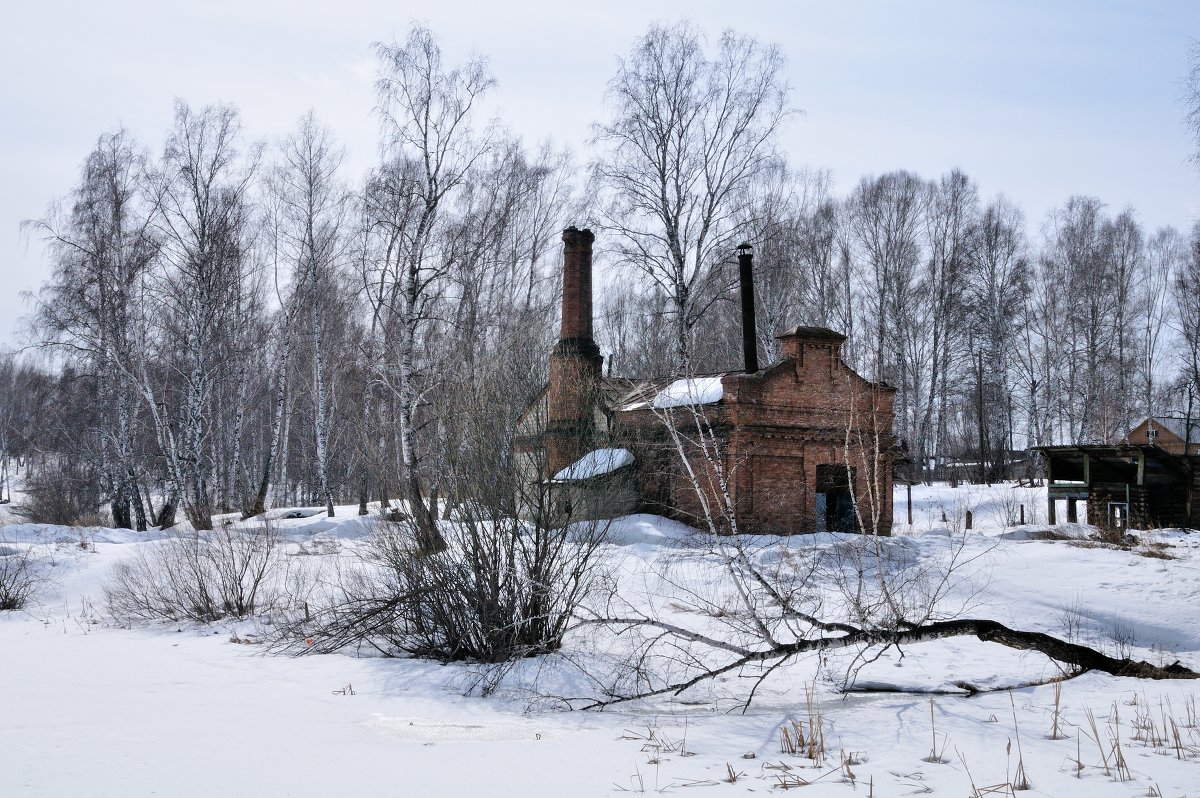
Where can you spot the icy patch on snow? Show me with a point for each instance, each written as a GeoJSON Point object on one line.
{"type": "Point", "coordinates": [688, 392]}
{"type": "Point", "coordinates": [434, 731]}
{"type": "Point", "coordinates": [596, 463]}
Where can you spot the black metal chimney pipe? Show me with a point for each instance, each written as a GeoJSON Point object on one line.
{"type": "Point", "coordinates": [749, 333]}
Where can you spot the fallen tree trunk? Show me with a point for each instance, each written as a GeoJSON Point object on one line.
{"type": "Point", "coordinates": [1081, 658]}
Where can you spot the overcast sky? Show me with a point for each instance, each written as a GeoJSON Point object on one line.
{"type": "Point", "coordinates": [1036, 100]}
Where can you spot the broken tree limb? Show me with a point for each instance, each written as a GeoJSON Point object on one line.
{"type": "Point", "coordinates": [1081, 658]}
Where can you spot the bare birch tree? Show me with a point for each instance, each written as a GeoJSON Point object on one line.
{"type": "Point", "coordinates": [953, 208]}
{"type": "Point", "coordinates": [885, 215]}
{"type": "Point", "coordinates": [428, 147]}
{"type": "Point", "coordinates": [101, 249]}
{"type": "Point", "coordinates": [203, 219]}
{"type": "Point", "coordinates": [1124, 246]}
{"type": "Point", "coordinates": [997, 282]}
{"type": "Point", "coordinates": [1187, 320]}
{"type": "Point", "coordinates": [1165, 254]}
{"type": "Point", "coordinates": [314, 206]}
{"type": "Point", "coordinates": [688, 135]}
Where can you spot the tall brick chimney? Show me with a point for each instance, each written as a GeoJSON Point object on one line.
{"type": "Point", "coordinates": [571, 405]}
{"type": "Point", "coordinates": [749, 330]}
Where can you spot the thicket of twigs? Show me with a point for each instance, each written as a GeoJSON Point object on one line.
{"type": "Point", "coordinates": [23, 570]}
{"type": "Point", "coordinates": [201, 576]}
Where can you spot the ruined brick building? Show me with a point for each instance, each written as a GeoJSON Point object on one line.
{"type": "Point", "coordinates": [803, 445]}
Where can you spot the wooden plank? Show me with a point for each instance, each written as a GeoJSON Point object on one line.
{"type": "Point", "coordinates": [1061, 491]}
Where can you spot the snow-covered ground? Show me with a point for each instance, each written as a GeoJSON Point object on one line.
{"type": "Point", "coordinates": [93, 709]}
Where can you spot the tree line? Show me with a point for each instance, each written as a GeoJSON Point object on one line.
{"type": "Point", "coordinates": [1071, 334]}
{"type": "Point", "coordinates": [231, 324]}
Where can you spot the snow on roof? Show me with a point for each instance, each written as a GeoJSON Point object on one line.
{"type": "Point", "coordinates": [690, 391]}
{"type": "Point", "coordinates": [595, 463]}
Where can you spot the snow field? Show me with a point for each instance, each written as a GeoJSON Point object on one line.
{"type": "Point", "coordinates": [92, 709]}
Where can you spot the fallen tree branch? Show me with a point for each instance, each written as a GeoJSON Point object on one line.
{"type": "Point", "coordinates": [1081, 658]}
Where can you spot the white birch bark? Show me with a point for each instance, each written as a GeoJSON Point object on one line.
{"type": "Point", "coordinates": [319, 417]}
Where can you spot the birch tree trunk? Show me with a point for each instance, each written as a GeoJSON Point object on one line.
{"type": "Point", "coordinates": [319, 419]}
{"type": "Point", "coordinates": [259, 504]}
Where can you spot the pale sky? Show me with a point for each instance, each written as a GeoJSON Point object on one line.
{"type": "Point", "coordinates": [1036, 100]}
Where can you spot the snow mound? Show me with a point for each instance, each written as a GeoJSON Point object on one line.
{"type": "Point", "coordinates": [1043, 532]}
{"type": "Point", "coordinates": [293, 513]}
{"type": "Point", "coordinates": [689, 392]}
{"type": "Point", "coordinates": [646, 529]}
{"type": "Point", "coordinates": [341, 528]}
{"type": "Point", "coordinates": [53, 533]}
{"type": "Point", "coordinates": [596, 463]}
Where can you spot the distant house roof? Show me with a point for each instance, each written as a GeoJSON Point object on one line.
{"type": "Point", "coordinates": [1178, 426]}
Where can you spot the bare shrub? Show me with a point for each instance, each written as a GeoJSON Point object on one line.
{"type": "Point", "coordinates": [1154, 551]}
{"type": "Point", "coordinates": [1010, 507]}
{"type": "Point", "coordinates": [1122, 635]}
{"type": "Point", "coordinates": [513, 561]}
{"type": "Point", "coordinates": [1071, 620]}
{"type": "Point", "coordinates": [502, 589]}
{"type": "Point", "coordinates": [504, 586]}
{"type": "Point", "coordinates": [200, 576]}
{"type": "Point", "coordinates": [59, 493]}
{"type": "Point", "coordinates": [1114, 536]}
{"type": "Point", "coordinates": [23, 570]}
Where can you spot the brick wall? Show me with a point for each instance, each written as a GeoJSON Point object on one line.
{"type": "Point", "coordinates": [774, 431]}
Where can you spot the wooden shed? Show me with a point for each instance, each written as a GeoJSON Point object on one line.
{"type": "Point", "coordinates": [1124, 486]}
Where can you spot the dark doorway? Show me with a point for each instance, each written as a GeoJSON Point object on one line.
{"type": "Point", "coordinates": [835, 499]}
